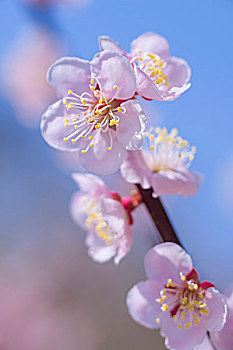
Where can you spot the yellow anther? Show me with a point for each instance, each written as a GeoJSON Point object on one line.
{"type": "Point", "coordinates": [182, 318]}
{"type": "Point", "coordinates": [164, 297]}
{"type": "Point", "coordinates": [66, 124]}
{"type": "Point", "coordinates": [92, 88]}
{"type": "Point", "coordinates": [91, 145]}
{"type": "Point", "coordinates": [84, 113]}
{"type": "Point", "coordinates": [159, 300]}
{"type": "Point", "coordinates": [164, 291]}
{"type": "Point", "coordinates": [109, 148]}
{"type": "Point", "coordinates": [73, 140]}
{"type": "Point", "coordinates": [66, 120]}
{"type": "Point", "coordinates": [74, 120]}
{"type": "Point", "coordinates": [83, 101]}
{"type": "Point", "coordinates": [64, 101]}
{"type": "Point", "coordinates": [96, 92]}
{"type": "Point", "coordinates": [183, 278]}
{"type": "Point", "coordinates": [70, 92]}
{"type": "Point", "coordinates": [92, 80]}
{"type": "Point", "coordinates": [119, 109]}
{"type": "Point", "coordinates": [191, 157]}
{"type": "Point", "coordinates": [183, 313]}
{"type": "Point", "coordinates": [152, 137]}
{"type": "Point", "coordinates": [84, 152]}
{"type": "Point", "coordinates": [157, 320]}
{"type": "Point", "coordinates": [76, 127]}
{"type": "Point", "coordinates": [187, 325]}
{"type": "Point", "coordinates": [82, 136]}
{"type": "Point", "coordinates": [90, 137]}
{"type": "Point", "coordinates": [115, 87]}
{"type": "Point", "coordinates": [151, 148]}
{"type": "Point", "coordinates": [97, 126]}
{"type": "Point", "coordinates": [140, 58]}
{"type": "Point", "coordinates": [195, 286]}
{"type": "Point", "coordinates": [164, 307]}
{"type": "Point", "coordinates": [185, 300]}
{"type": "Point", "coordinates": [179, 326]}
{"type": "Point", "coordinates": [66, 139]}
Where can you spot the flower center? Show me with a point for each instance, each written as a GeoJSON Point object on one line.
{"type": "Point", "coordinates": [153, 66]}
{"type": "Point", "coordinates": [184, 300]}
{"type": "Point", "coordinates": [92, 114]}
{"type": "Point", "coordinates": [167, 151]}
{"type": "Point", "coordinates": [96, 222]}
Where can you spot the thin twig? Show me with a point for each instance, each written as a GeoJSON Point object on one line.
{"type": "Point", "coordinates": [159, 216]}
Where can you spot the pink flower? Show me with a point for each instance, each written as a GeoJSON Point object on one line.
{"type": "Point", "coordinates": [159, 76]}
{"type": "Point", "coordinates": [95, 115]}
{"type": "Point", "coordinates": [172, 299]}
{"type": "Point", "coordinates": [23, 69]}
{"type": "Point", "coordinates": [163, 165]}
{"type": "Point", "coordinates": [224, 339]}
{"type": "Point", "coordinates": [105, 215]}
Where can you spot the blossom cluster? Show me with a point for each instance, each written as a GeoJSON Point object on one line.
{"type": "Point", "coordinates": [99, 116]}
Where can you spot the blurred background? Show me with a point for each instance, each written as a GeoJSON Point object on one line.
{"type": "Point", "coordinates": [52, 296]}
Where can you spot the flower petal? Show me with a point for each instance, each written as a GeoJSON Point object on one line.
{"type": "Point", "coordinates": [206, 345]}
{"type": "Point", "coordinates": [217, 310]}
{"type": "Point", "coordinates": [165, 261]}
{"type": "Point", "coordinates": [173, 182]}
{"type": "Point", "coordinates": [142, 305]}
{"type": "Point", "coordinates": [224, 339]}
{"type": "Point", "coordinates": [145, 86]}
{"type": "Point", "coordinates": [106, 43]}
{"type": "Point", "coordinates": [91, 184]}
{"type": "Point", "coordinates": [135, 170]}
{"type": "Point", "coordinates": [70, 73]}
{"type": "Point", "coordinates": [182, 339]}
{"type": "Point", "coordinates": [114, 213]}
{"type": "Point", "coordinates": [53, 129]}
{"type": "Point", "coordinates": [76, 209]}
{"type": "Point", "coordinates": [99, 160]}
{"type": "Point", "coordinates": [150, 42]}
{"type": "Point", "coordinates": [110, 69]}
{"type": "Point", "coordinates": [125, 244]}
{"type": "Point", "coordinates": [132, 125]}
{"type": "Point", "coordinates": [98, 250]}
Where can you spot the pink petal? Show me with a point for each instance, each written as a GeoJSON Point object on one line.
{"type": "Point", "coordinates": [206, 345]}
{"type": "Point", "coordinates": [132, 125]}
{"type": "Point", "coordinates": [125, 244]}
{"type": "Point", "coordinates": [217, 310]}
{"type": "Point", "coordinates": [165, 261]}
{"type": "Point", "coordinates": [173, 182]}
{"type": "Point", "coordinates": [150, 42]}
{"type": "Point", "coordinates": [98, 250]}
{"type": "Point", "coordinates": [142, 305]}
{"type": "Point", "coordinates": [145, 86]}
{"type": "Point", "coordinates": [53, 129]}
{"type": "Point", "coordinates": [179, 74]}
{"type": "Point", "coordinates": [182, 339]}
{"type": "Point", "coordinates": [110, 68]}
{"type": "Point", "coordinates": [224, 339]}
{"type": "Point", "coordinates": [106, 43]}
{"type": "Point", "coordinates": [91, 184]}
{"type": "Point", "coordinates": [135, 170]}
{"type": "Point", "coordinates": [76, 209]}
{"type": "Point", "coordinates": [101, 161]}
{"type": "Point", "coordinates": [115, 215]}
{"type": "Point", "coordinates": [70, 73]}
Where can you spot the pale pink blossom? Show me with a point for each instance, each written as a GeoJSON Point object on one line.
{"type": "Point", "coordinates": [223, 340]}
{"type": "Point", "coordinates": [95, 114]}
{"type": "Point", "coordinates": [23, 72]}
{"type": "Point", "coordinates": [106, 217]}
{"type": "Point", "coordinates": [173, 299]}
{"type": "Point", "coordinates": [163, 165]}
{"type": "Point", "coordinates": [159, 76]}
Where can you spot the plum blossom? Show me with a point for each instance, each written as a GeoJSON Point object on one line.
{"type": "Point", "coordinates": [224, 339]}
{"type": "Point", "coordinates": [163, 165]}
{"type": "Point", "coordinates": [173, 299]}
{"type": "Point", "coordinates": [96, 114]}
{"type": "Point", "coordinates": [159, 76]}
{"type": "Point", "coordinates": [106, 217]}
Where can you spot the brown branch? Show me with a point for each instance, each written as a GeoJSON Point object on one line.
{"type": "Point", "coordinates": [159, 216]}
